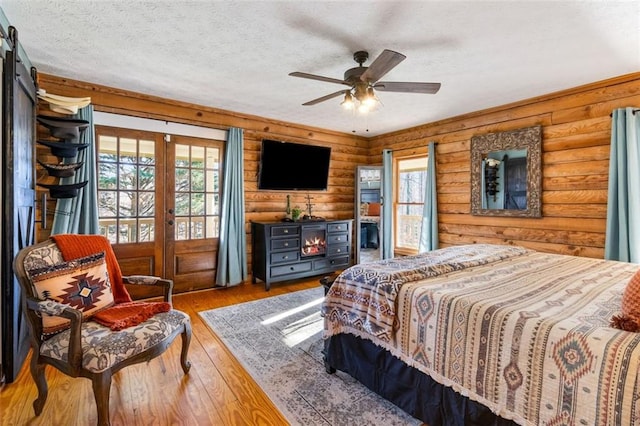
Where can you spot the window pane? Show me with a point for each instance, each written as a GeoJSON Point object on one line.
{"type": "Point", "coordinates": [147, 152]}
{"type": "Point", "coordinates": [211, 227]}
{"type": "Point", "coordinates": [197, 157]}
{"type": "Point", "coordinates": [182, 229]}
{"type": "Point", "coordinates": [408, 226]}
{"type": "Point", "coordinates": [146, 230]}
{"type": "Point", "coordinates": [127, 204]}
{"type": "Point", "coordinates": [182, 204]}
{"type": "Point", "coordinates": [127, 175]}
{"type": "Point", "coordinates": [107, 176]}
{"type": "Point", "coordinates": [213, 158]}
{"type": "Point", "coordinates": [182, 180]}
{"type": "Point", "coordinates": [108, 148]}
{"type": "Point", "coordinates": [197, 204]}
{"type": "Point", "coordinates": [411, 186]}
{"type": "Point", "coordinates": [107, 203]}
{"type": "Point", "coordinates": [146, 204]}
{"type": "Point", "coordinates": [182, 155]}
{"type": "Point", "coordinates": [147, 177]}
{"type": "Point", "coordinates": [128, 148]}
{"type": "Point", "coordinates": [197, 180]}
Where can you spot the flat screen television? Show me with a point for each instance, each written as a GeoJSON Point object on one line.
{"type": "Point", "coordinates": [293, 166]}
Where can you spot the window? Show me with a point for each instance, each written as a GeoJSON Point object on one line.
{"type": "Point", "coordinates": [410, 181]}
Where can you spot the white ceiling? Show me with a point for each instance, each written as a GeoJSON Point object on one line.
{"type": "Point", "coordinates": [236, 55]}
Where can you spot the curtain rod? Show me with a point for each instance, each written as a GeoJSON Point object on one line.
{"type": "Point", "coordinates": [405, 149]}
{"type": "Point", "coordinates": [632, 112]}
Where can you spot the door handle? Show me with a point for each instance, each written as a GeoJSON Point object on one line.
{"type": "Point", "coordinates": [170, 211]}
{"type": "Point", "coordinates": [170, 221]}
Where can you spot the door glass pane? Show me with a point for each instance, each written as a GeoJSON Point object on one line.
{"type": "Point", "coordinates": [197, 157]}
{"type": "Point", "coordinates": [147, 178]}
{"type": "Point", "coordinates": [146, 151]}
{"type": "Point", "coordinates": [128, 150]}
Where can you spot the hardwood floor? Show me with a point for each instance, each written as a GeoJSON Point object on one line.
{"type": "Point", "coordinates": [217, 390]}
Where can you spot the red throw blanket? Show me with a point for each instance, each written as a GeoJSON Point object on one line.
{"type": "Point", "coordinates": [128, 314]}
{"type": "Point", "coordinates": [74, 246]}
{"type": "Point", "coordinates": [125, 313]}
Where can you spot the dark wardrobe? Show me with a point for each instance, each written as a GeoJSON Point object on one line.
{"type": "Point", "coordinates": [18, 196]}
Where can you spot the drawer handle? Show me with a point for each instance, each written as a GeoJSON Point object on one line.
{"type": "Point", "coordinates": [292, 268]}
{"type": "Point", "coordinates": [285, 257]}
{"type": "Point", "coordinates": [338, 239]}
{"type": "Point", "coordinates": [286, 244]}
{"type": "Point", "coordinates": [286, 231]}
{"type": "Point", "coordinates": [338, 251]}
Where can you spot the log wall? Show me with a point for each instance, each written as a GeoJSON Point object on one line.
{"type": "Point", "coordinates": [576, 128]}
{"type": "Point", "coordinates": [576, 138]}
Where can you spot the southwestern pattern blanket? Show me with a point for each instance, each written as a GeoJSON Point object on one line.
{"type": "Point", "coordinates": [525, 333]}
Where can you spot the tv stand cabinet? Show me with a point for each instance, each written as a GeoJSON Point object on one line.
{"type": "Point", "coordinates": [278, 249]}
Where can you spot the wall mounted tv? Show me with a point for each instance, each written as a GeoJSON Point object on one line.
{"type": "Point", "coordinates": [293, 166]}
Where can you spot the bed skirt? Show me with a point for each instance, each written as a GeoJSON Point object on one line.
{"type": "Point", "coordinates": [410, 389]}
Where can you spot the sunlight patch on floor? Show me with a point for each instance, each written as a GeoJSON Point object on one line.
{"type": "Point", "coordinates": [293, 311]}
{"type": "Point", "coordinates": [301, 330]}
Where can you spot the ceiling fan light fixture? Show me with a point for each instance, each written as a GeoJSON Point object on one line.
{"type": "Point", "coordinates": [347, 103]}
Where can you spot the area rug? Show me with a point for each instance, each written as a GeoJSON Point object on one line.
{"type": "Point", "coordinates": [278, 340]}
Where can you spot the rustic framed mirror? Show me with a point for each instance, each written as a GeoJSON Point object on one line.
{"type": "Point", "coordinates": [506, 177]}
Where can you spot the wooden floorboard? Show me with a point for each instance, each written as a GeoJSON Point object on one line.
{"type": "Point", "coordinates": [217, 390]}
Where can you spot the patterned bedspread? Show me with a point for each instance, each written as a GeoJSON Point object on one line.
{"type": "Point", "coordinates": [525, 333]}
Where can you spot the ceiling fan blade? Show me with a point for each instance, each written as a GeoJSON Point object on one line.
{"type": "Point", "coordinates": [384, 63]}
{"type": "Point", "coordinates": [324, 98]}
{"type": "Point", "coordinates": [407, 87]}
{"type": "Point", "coordinates": [317, 77]}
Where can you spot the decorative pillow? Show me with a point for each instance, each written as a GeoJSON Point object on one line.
{"type": "Point", "coordinates": [374, 209]}
{"type": "Point", "coordinates": [364, 209]}
{"type": "Point", "coordinates": [82, 284]}
{"type": "Point", "coordinates": [629, 320]}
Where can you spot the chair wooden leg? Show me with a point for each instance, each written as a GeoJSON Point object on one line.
{"type": "Point", "coordinates": [37, 372]}
{"type": "Point", "coordinates": [101, 389]}
{"type": "Point", "coordinates": [186, 339]}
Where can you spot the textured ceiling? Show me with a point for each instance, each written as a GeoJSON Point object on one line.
{"type": "Point", "coordinates": [236, 55]}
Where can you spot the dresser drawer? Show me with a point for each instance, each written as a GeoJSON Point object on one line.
{"type": "Point", "coordinates": [285, 243]}
{"type": "Point", "coordinates": [337, 227]}
{"type": "Point", "coordinates": [290, 269]}
{"type": "Point", "coordinates": [285, 256]}
{"type": "Point", "coordinates": [338, 238]}
{"type": "Point", "coordinates": [331, 262]}
{"type": "Point", "coordinates": [334, 250]}
{"type": "Point", "coordinates": [283, 231]}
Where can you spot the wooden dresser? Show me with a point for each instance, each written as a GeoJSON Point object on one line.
{"type": "Point", "coordinates": [290, 250]}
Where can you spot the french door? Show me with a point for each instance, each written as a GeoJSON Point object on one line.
{"type": "Point", "coordinates": [159, 204]}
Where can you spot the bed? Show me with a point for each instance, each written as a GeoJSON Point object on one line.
{"type": "Point", "coordinates": [488, 334]}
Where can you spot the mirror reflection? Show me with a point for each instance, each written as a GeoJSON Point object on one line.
{"type": "Point", "coordinates": [368, 213]}
{"type": "Point", "coordinates": [505, 180]}
{"type": "Point", "coordinates": [506, 176]}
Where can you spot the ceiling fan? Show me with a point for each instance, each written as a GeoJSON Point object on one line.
{"type": "Point", "coordinates": [363, 81]}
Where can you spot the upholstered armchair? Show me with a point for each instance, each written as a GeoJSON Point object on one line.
{"type": "Point", "coordinates": [82, 320]}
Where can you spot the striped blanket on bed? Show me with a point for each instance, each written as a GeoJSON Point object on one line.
{"type": "Point", "coordinates": [525, 333]}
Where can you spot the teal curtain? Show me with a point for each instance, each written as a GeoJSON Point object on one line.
{"type": "Point", "coordinates": [622, 239]}
{"type": "Point", "coordinates": [387, 204]}
{"type": "Point", "coordinates": [79, 215]}
{"type": "Point", "coordinates": [232, 252]}
{"type": "Point", "coordinates": [429, 230]}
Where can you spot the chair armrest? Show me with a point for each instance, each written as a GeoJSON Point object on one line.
{"type": "Point", "coordinates": [51, 307]}
{"type": "Point", "coordinates": [167, 285]}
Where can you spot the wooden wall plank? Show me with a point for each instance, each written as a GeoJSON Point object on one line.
{"type": "Point", "coordinates": [575, 163]}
